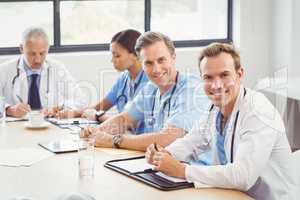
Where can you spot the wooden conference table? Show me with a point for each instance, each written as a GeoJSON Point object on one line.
{"type": "Point", "coordinates": [58, 174]}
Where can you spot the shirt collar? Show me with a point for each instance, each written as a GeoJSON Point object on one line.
{"type": "Point", "coordinates": [27, 69]}
{"type": "Point", "coordinates": [233, 113]}
{"type": "Point", "coordinates": [167, 94]}
{"type": "Point", "coordinates": [219, 123]}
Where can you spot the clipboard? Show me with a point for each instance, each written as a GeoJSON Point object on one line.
{"type": "Point", "coordinates": [65, 123]}
{"type": "Point", "coordinates": [148, 176]}
{"type": "Point", "coordinates": [61, 146]}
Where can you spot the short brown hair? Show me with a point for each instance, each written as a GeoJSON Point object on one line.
{"type": "Point", "coordinates": [216, 49]}
{"type": "Point", "coordinates": [150, 37]}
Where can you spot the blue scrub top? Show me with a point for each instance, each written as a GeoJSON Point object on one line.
{"type": "Point", "coordinates": [206, 158]}
{"type": "Point", "coordinates": [187, 105]}
{"type": "Point", "coordinates": [120, 93]}
{"type": "Point", "coordinates": [125, 90]}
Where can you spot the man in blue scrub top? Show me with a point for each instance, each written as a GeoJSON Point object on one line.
{"type": "Point", "coordinates": [168, 105]}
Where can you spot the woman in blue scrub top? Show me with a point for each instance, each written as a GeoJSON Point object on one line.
{"type": "Point", "coordinates": [129, 83]}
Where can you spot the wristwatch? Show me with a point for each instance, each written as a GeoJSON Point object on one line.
{"type": "Point", "coordinates": [116, 141]}
{"type": "Point", "coordinates": [99, 114]}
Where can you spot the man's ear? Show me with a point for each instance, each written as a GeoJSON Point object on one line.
{"type": "Point", "coordinates": [240, 72]}
{"type": "Point", "coordinates": [174, 56]}
{"type": "Point", "coordinates": [21, 48]}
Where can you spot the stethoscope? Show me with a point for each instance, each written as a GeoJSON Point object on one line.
{"type": "Point", "coordinates": [136, 85]}
{"type": "Point", "coordinates": [234, 127]}
{"type": "Point", "coordinates": [18, 75]}
{"type": "Point", "coordinates": [151, 121]}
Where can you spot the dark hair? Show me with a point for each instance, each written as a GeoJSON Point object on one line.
{"type": "Point", "coordinates": [216, 49]}
{"type": "Point", "coordinates": [150, 37]}
{"type": "Point", "coordinates": [127, 39]}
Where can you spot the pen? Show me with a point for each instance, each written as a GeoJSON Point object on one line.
{"type": "Point", "coordinates": [19, 98]}
{"type": "Point", "coordinates": [145, 171]}
{"type": "Point", "coordinates": [155, 147]}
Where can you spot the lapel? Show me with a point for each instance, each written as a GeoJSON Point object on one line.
{"type": "Point", "coordinates": [44, 85]}
{"type": "Point", "coordinates": [21, 84]}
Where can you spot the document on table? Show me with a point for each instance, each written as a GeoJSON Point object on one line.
{"type": "Point", "coordinates": [134, 165]}
{"type": "Point", "coordinates": [139, 165]}
{"type": "Point", "coordinates": [22, 156]}
{"type": "Point", "coordinates": [13, 119]}
{"type": "Point", "coordinates": [71, 121]}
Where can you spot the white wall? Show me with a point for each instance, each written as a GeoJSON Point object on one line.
{"type": "Point", "coordinates": [255, 39]}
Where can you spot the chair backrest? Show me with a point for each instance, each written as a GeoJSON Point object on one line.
{"type": "Point", "coordinates": [296, 163]}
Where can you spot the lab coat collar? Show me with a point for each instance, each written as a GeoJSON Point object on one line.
{"type": "Point", "coordinates": [22, 64]}
{"type": "Point", "coordinates": [237, 103]}
{"type": "Point", "coordinates": [21, 84]}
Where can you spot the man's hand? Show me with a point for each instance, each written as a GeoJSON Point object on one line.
{"type": "Point", "coordinates": [88, 131]}
{"type": "Point", "coordinates": [19, 110]}
{"type": "Point", "coordinates": [102, 139]}
{"type": "Point", "coordinates": [165, 163]}
{"type": "Point", "coordinates": [152, 148]}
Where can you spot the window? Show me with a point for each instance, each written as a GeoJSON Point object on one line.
{"type": "Point", "coordinates": [85, 25]}
{"type": "Point", "coordinates": [16, 16]}
{"type": "Point", "coordinates": [198, 19]}
{"type": "Point", "coordinates": [86, 22]}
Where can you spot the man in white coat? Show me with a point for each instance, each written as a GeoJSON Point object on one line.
{"type": "Point", "coordinates": [34, 82]}
{"type": "Point", "coordinates": [243, 131]}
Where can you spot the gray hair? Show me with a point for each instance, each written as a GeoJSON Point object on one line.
{"type": "Point", "coordinates": [150, 37]}
{"type": "Point", "coordinates": [34, 32]}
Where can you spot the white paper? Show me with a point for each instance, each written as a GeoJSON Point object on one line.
{"type": "Point", "coordinates": [22, 156]}
{"type": "Point", "coordinates": [134, 165]}
{"type": "Point", "coordinates": [71, 121]}
{"type": "Point", "coordinates": [139, 165]}
{"type": "Point", "coordinates": [13, 119]}
{"type": "Point", "coordinates": [170, 178]}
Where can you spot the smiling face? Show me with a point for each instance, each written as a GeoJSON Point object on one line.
{"type": "Point", "coordinates": [221, 80]}
{"type": "Point", "coordinates": [159, 64]}
{"type": "Point", "coordinates": [121, 58]}
{"type": "Point", "coordinates": [35, 51]}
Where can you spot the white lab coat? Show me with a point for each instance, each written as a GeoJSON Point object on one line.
{"type": "Point", "coordinates": [261, 154]}
{"type": "Point", "coordinates": [57, 86]}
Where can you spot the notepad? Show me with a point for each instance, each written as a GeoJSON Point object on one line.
{"type": "Point", "coordinates": [61, 146]}
{"type": "Point", "coordinates": [139, 165]}
{"type": "Point", "coordinates": [134, 165]}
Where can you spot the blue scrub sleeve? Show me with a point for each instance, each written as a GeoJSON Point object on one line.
{"type": "Point", "coordinates": [137, 107]}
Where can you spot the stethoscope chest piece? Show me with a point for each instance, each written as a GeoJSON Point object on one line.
{"type": "Point", "coordinates": [151, 121]}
